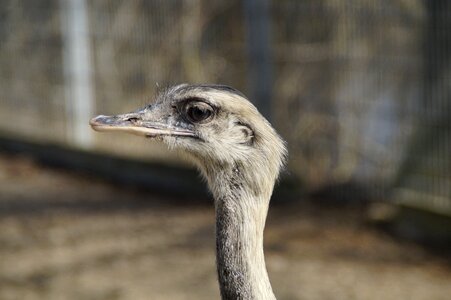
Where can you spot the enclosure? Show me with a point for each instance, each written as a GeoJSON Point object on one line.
{"type": "Point", "coordinates": [359, 89]}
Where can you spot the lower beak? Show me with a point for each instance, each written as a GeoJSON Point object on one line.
{"type": "Point", "coordinates": [133, 123]}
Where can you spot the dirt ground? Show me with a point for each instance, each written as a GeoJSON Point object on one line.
{"type": "Point", "coordinates": [71, 236]}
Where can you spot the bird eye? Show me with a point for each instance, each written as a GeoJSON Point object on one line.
{"type": "Point", "coordinates": [198, 112]}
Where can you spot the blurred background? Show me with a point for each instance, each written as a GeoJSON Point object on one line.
{"type": "Point", "coordinates": [360, 90]}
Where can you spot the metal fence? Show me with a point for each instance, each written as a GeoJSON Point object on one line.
{"type": "Point", "coordinates": [360, 89]}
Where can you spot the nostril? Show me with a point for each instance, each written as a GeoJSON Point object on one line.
{"type": "Point", "coordinates": [133, 119]}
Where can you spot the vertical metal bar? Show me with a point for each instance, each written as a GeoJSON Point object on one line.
{"type": "Point", "coordinates": [78, 72]}
{"type": "Point", "coordinates": [256, 15]}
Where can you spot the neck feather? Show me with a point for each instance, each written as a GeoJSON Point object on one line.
{"type": "Point", "coordinates": [240, 221]}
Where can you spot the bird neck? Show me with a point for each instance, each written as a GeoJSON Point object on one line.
{"type": "Point", "coordinates": [240, 221]}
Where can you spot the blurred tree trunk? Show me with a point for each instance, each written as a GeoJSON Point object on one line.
{"type": "Point", "coordinates": [425, 177]}
{"type": "Point", "coordinates": [191, 41]}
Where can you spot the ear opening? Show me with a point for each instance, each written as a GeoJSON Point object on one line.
{"type": "Point", "coordinates": [248, 133]}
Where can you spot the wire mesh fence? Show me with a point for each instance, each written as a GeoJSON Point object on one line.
{"type": "Point", "coordinates": [359, 89]}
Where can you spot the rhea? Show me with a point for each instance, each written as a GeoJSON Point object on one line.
{"type": "Point", "coordinates": [239, 154]}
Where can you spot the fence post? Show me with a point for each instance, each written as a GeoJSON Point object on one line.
{"type": "Point", "coordinates": [256, 17]}
{"type": "Point", "coordinates": [77, 71]}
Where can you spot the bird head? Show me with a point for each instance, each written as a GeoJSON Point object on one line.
{"type": "Point", "coordinates": [214, 124]}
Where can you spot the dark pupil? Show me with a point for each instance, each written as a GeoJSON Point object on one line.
{"type": "Point", "coordinates": [198, 114]}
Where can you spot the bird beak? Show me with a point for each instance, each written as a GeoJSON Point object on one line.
{"type": "Point", "coordinates": [135, 123]}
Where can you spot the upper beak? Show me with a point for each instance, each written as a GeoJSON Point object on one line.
{"type": "Point", "coordinates": [133, 123]}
